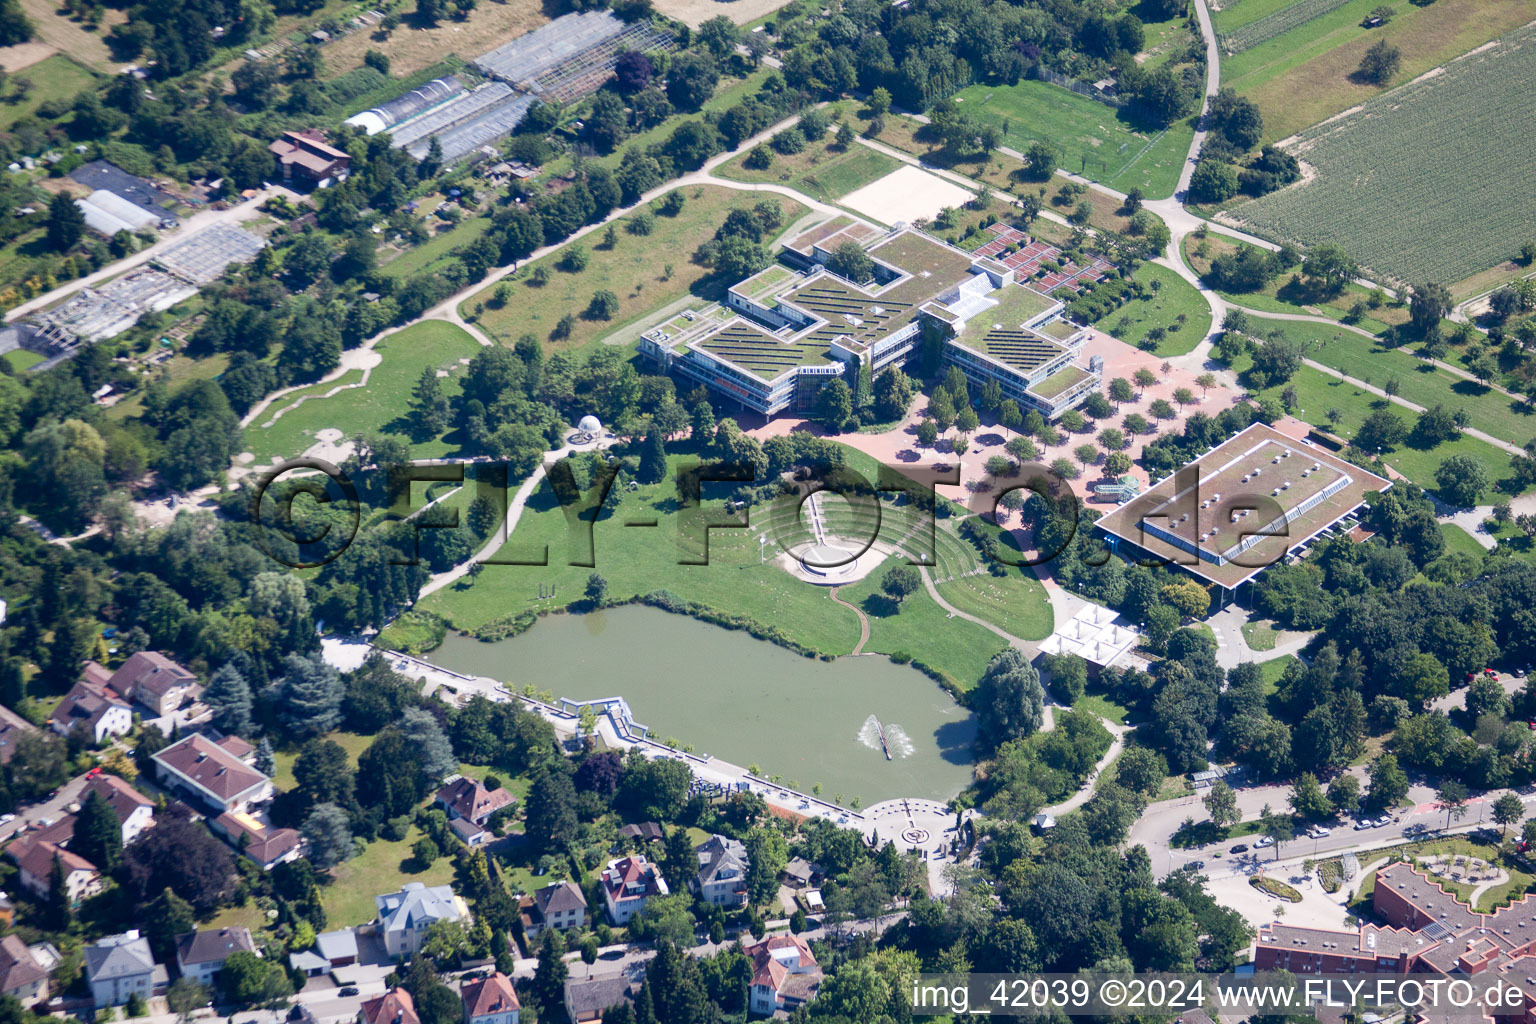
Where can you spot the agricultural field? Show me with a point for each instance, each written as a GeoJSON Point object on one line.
{"type": "Point", "coordinates": [1304, 76]}
{"type": "Point", "coordinates": [1090, 138]}
{"type": "Point", "coordinates": [410, 48]}
{"type": "Point", "coordinates": [1249, 34]}
{"type": "Point", "coordinates": [646, 272]}
{"type": "Point", "coordinates": [1453, 210]}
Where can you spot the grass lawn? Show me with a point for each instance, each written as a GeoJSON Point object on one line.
{"type": "Point", "coordinates": [922, 629]}
{"type": "Point", "coordinates": [822, 170]}
{"type": "Point", "coordinates": [383, 405]}
{"type": "Point", "coordinates": [179, 370]}
{"type": "Point", "coordinates": [1317, 392]}
{"type": "Point", "coordinates": [1173, 298]}
{"type": "Point", "coordinates": [1102, 706]}
{"type": "Point", "coordinates": [1303, 76]}
{"type": "Point", "coordinates": [55, 78]}
{"type": "Point", "coordinates": [350, 741]}
{"type": "Point", "coordinates": [1089, 137]}
{"type": "Point", "coordinates": [21, 359]}
{"type": "Point", "coordinates": [641, 561]}
{"type": "Point", "coordinates": [382, 867]}
{"type": "Point", "coordinates": [1260, 636]}
{"type": "Point", "coordinates": [1457, 539]}
{"type": "Point", "coordinates": [1015, 603]}
{"type": "Point", "coordinates": [1273, 670]}
{"type": "Point", "coordinates": [646, 272]}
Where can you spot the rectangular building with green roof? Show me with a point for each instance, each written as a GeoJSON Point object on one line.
{"type": "Point", "coordinates": [787, 330]}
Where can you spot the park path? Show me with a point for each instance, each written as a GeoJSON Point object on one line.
{"type": "Point", "coordinates": [863, 620]}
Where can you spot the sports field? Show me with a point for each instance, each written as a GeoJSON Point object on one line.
{"type": "Point", "coordinates": [1453, 208]}
{"type": "Point", "coordinates": [1090, 138]}
{"type": "Point", "coordinates": [1303, 76]}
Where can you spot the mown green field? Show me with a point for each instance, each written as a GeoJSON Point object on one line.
{"type": "Point", "coordinates": [1090, 138]}
{"type": "Point", "coordinates": [383, 405]}
{"type": "Point", "coordinates": [823, 170]}
{"type": "Point", "coordinates": [1174, 297]}
{"type": "Point", "coordinates": [53, 78]}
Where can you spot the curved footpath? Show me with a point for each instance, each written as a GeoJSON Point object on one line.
{"type": "Point", "coordinates": [863, 620]}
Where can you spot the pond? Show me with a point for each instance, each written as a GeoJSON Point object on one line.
{"type": "Point", "coordinates": [745, 700]}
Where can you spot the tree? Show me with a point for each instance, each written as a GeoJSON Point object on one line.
{"type": "Point", "coordinates": [767, 854]}
{"type": "Point", "coordinates": [322, 773]}
{"type": "Point", "coordinates": [551, 808]}
{"type": "Point", "coordinates": [98, 835]}
{"type": "Point", "coordinates": [852, 262]}
{"type": "Point", "coordinates": [879, 101]}
{"type": "Point", "coordinates": [834, 405]}
{"type": "Point", "coordinates": [1279, 830]}
{"type": "Point", "coordinates": [429, 744]}
{"type": "Point", "coordinates": [597, 589]}
{"type": "Point", "coordinates": [186, 996]}
{"type": "Point", "coordinates": [1389, 783]}
{"type": "Point", "coordinates": [548, 987]}
{"type": "Point", "coordinates": [1087, 454]}
{"type": "Point", "coordinates": [653, 459]}
{"type": "Point", "coordinates": [900, 581]}
{"type": "Point", "coordinates": [309, 695]}
{"type": "Point", "coordinates": [1121, 390]}
{"type": "Point", "coordinates": [1452, 799]}
{"type": "Point", "coordinates": [1461, 478]}
{"type": "Point", "coordinates": [1009, 700]}
{"type": "Point", "coordinates": [1214, 180]}
{"type": "Point", "coordinates": [892, 393]}
{"type": "Point", "coordinates": [250, 980]}
{"type": "Point", "coordinates": [1428, 305]}
{"type": "Point", "coordinates": [327, 834]}
{"type": "Point", "coordinates": [1308, 799]}
{"type": "Point", "coordinates": [1039, 161]}
{"type": "Point", "coordinates": [229, 696]}
{"type": "Point", "coordinates": [66, 224]}
{"type": "Point", "coordinates": [1380, 63]}
{"type": "Point", "coordinates": [1221, 804]}
{"type": "Point", "coordinates": [1507, 810]}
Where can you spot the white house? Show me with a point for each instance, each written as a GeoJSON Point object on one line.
{"type": "Point", "coordinates": [559, 906]}
{"type": "Point", "coordinates": [92, 708]}
{"type": "Point", "coordinates": [405, 916]}
{"type": "Point", "coordinates": [119, 966]}
{"type": "Point", "coordinates": [21, 976]}
{"type": "Point", "coordinates": [135, 810]}
{"type": "Point", "coordinates": [156, 682]}
{"type": "Point", "coordinates": [627, 884]}
{"type": "Point", "coordinates": [784, 974]}
{"type": "Point", "coordinates": [722, 877]}
{"type": "Point", "coordinates": [35, 859]}
{"type": "Point", "coordinates": [490, 1000]}
{"type": "Point", "coordinates": [201, 954]}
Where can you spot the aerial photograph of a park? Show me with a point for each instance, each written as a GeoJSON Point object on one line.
{"type": "Point", "coordinates": [698, 511]}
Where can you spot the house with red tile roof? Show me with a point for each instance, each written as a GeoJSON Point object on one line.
{"type": "Point", "coordinates": [490, 1000]}
{"type": "Point", "coordinates": [35, 858]}
{"type": "Point", "coordinates": [393, 1007]}
{"type": "Point", "coordinates": [211, 775]}
{"type": "Point", "coordinates": [156, 682]}
{"type": "Point", "coordinates": [785, 974]}
{"type": "Point", "coordinates": [627, 884]}
{"type": "Point", "coordinates": [21, 976]}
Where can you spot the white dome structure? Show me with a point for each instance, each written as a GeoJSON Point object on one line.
{"type": "Point", "coordinates": [590, 425]}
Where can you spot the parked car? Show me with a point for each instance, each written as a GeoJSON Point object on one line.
{"type": "Point", "coordinates": [1197, 864]}
{"type": "Point", "coordinates": [1240, 848]}
{"type": "Point", "coordinates": [1263, 841]}
{"type": "Point", "coordinates": [1384, 821]}
{"type": "Point", "coordinates": [1365, 823]}
{"type": "Point", "coordinates": [1318, 832]}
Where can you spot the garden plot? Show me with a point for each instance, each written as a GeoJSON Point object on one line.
{"type": "Point", "coordinates": [1416, 183]}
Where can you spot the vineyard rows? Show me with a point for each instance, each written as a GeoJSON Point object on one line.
{"type": "Point", "coordinates": [1282, 21]}
{"type": "Point", "coordinates": [1426, 182]}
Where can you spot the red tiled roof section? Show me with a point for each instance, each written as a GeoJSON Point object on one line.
{"type": "Point", "coordinates": [767, 970]}
{"type": "Point", "coordinates": [210, 766]}
{"type": "Point", "coordinates": [469, 799]}
{"type": "Point", "coordinates": [489, 995]}
{"type": "Point", "coordinates": [18, 968]}
{"type": "Point", "coordinates": [308, 149]}
{"type": "Point", "coordinates": [393, 1007]}
{"type": "Point", "coordinates": [152, 672]}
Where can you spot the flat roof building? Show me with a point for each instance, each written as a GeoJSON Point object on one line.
{"type": "Point", "coordinates": [1242, 506]}
{"type": "Point", "coordinates": [786, 331]}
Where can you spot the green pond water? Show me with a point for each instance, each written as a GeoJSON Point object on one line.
{"type": "Point", "coordinates": [744, 700]}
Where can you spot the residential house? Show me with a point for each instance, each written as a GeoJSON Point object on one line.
{"type": "Point", "coordinates": [784, 974]}
{"type": "Point", "coordinates": [119, 966]}
{"type": "Point", "coordinates": [201, 954]}
{"type": "Point", "coordinates": [239, 748]}
{"type": "Point", "coordinates": [646, 832]}
{"type": "Point", "coordinates": [405, 916]}
{"type": "Point", "coordinates": [800, 873]}
{"type": "Point", "coordinates": [627, 884]}
{"type": "Point", "coordinates": [393, 1007]}
{"type": "Point", "coordinates": [307, 155]}
{"type": "Point", "coordinates": [261, 843]}
{"type": "Point", "coordinates": [21, 976]}
{"type": "Point", "coordinates": [469, 806]}
{"type": "Point", "coordinates": [211, 775]}
{"type": "Point", "coordinates": [490, 1000]}
{"type": "Point", "coordinates": [35, 858]}
{"type": "Point", "coordinates": [156, 682]}
{"type": "Point", "coordinates": [586, 999]}
{"type": "Point", "coordinates": [339, 947]}
{"type": "Point", "coordinates": [722, 875]}
{"type": "Point", "coordinates": [12, 728]}
{"type": "Point", "coordinates": [93, 708]}
{"type": "Point", "coordinates": [134, 810]}
{"type": "Point", "coordinates": [559, 906]}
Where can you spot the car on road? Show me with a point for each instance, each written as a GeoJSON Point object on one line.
{"type": "Point", "coordinates": [1383, 821]}
{"type": "Point", "coordinates": [1239, 848]}
{"type": "Point", "coordinates": [6, 819]}
{"type": "Point", "coordinates": [1318, 832]}
{"type": "Point", "coordinates": [1198, 865]}
{"type": "Point", "coordinates": [350, 990]}
{"type": "Point", "coordinates": [1263, 841]}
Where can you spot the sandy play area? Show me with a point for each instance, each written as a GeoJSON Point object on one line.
{"type": "Point", "coordinates": [697, 12]}
{"type": "Point", "coordinates": [908, 194]}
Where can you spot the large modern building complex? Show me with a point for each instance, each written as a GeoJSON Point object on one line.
{"type": "Point", "coordinates": [1243, 506]}
{"type": "Point", "coordinates": [785, 332]}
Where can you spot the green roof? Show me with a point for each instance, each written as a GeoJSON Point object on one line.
{"type": "Point", "coordinates": [760, 353]}
{"type": "Point", "coordinates": [1060, 381]}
